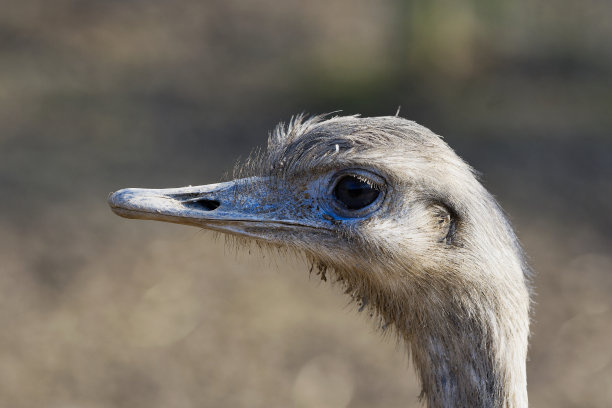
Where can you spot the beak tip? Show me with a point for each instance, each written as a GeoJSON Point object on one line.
{"type": "Point", "coordinates": [118, 200]}
{"type": "Point", "coordinates": [114, 198]}
{"type": "Point", "coordinates": [139, 203]}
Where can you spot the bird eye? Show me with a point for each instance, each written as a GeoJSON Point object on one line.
{"type": "Point", "coordinates": [355, 193]}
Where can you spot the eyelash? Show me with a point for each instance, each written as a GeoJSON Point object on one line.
{"type": "Point", "coordinates": [366, 180]}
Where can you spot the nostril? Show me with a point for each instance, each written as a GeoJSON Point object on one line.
{"type": "Point", "coordinates": [203, 204]}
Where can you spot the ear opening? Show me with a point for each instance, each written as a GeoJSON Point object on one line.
{"type": "Point", "coordinates": [446, 222]}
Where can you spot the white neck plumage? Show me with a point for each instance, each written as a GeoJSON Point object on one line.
{"type": "Point", "coordinates": [469, 367]}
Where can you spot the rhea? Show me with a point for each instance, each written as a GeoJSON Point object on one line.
{"type": "Point", "coordinates": [387, 207]}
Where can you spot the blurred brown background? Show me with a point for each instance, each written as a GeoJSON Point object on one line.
{"type": "Point", "coordinates": [98, 311]}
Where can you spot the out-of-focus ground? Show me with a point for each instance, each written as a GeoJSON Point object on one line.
{"type": "Point", "coordinates": [98, 311]}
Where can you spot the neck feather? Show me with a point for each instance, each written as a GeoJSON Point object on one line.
{"type": "Point", "coordinates": [470, 366]}
{"type": "Point", "coordinates": [469, 348]}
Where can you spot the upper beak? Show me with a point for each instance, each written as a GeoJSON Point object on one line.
{"type": "Point", "coordinates": [243, 207]}
{"type": "Point", "coordinates": [186, 205]}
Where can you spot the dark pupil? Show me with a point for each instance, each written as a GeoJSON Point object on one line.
{"type": "Point", "coordinates": [354, 193]}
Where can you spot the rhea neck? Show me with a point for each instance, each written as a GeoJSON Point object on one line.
{"type": "Point", "coordinates": [466, 366]}
{"type": "Point", "coordinates": [464, 357]}
{"type": "Point", "coordinates": [468, 342]}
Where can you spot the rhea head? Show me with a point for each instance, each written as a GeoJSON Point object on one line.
{"type": "Point", "coordinates": [386, 206]}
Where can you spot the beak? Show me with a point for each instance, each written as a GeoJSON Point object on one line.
{"type": "Point", "coordinates": [248, 207]}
